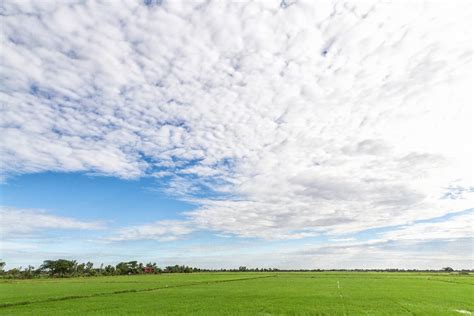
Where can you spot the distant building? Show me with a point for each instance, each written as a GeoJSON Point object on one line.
{"type": "Point", "coordinates": [148, 270]}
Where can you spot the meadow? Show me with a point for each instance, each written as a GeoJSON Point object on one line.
{"type": "Point", "coordinates": [293, 293]}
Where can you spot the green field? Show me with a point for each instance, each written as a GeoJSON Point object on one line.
{"type": "Point", "coordinates": [295, 293]}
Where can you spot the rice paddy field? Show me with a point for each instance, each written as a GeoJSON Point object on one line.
{"type": "Point", "coordinates": [358, 293]}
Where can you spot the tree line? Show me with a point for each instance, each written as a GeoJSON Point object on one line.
{"type": "Point", "coordinates": [71, 268]}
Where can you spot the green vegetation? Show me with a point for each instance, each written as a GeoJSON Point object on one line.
{"type": "Point", "coordinates": [63, 268]}
{"type": "Point", "coordinates": [242, 293]}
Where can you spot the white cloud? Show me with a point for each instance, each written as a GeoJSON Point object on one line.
{"type": "Point", "coordinates": [461, 226]}
{"type": "Point", "coordinates": [401, 254]}
{"type": "Point", "coordinates": [166, 230]}
{"type": "Point", "coordinates": [17, 222]}
{"type": "Point", "coordinates": [314, 117]}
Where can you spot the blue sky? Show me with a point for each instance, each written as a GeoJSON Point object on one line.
{"type": "Point", "coordinates": [312, 135]}
{"type": "Point", "coordinates": [94, 197]}
{"type": "Point", "coordinates": [116, 203]}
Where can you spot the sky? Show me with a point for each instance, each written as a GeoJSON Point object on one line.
{"type": "Point", "coordinates": [294, 134]}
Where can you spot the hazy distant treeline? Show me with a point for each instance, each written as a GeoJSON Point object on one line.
{"type": "Point", "coordinates": [72, 268]}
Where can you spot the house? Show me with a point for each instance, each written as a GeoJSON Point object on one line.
{"type": "Point", "coordinates": [148, 270]}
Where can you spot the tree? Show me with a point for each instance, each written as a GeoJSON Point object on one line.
{"type": "Point", "coordinates": [2, 266]}
{"type": "Point", "coordinates": [89, 268]}
{"type": "Point", "coordinates": [15, 272]}
{"type": "Point", "coordinates": [109, 270]}
{"type": "Point", "coordinates": [80, 268]}
{"type": "Point", "coordinates": [131, 267]}
{"type": "Point", "coordinates": [122, 268]}
{"type": "Point", "coordinates": [59, 267]}
{"type": "Point", "coordinates": [151, 265]}
{"type": "Point", "coordinates": [448, 269]}
{"type": "Point", "coordinates": [29, 272]}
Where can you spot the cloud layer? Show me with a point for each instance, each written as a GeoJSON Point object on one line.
{"type": "Point", "coordinates": [317, 117]}
{"type": "Point", "coordinates": [22, 222]}
{"type": "Point", "coordinates": [165, 230]}
{"type": "Point", "coordinates": [27, 239]}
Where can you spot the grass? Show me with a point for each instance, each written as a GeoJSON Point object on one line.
{"type": "Point", "coordinates": [242, 294]}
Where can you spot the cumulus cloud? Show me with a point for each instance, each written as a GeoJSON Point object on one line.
{"type": "Point", "coordinates": [301, 117]}
{"type": "Point", "coordinates": [17, 222]}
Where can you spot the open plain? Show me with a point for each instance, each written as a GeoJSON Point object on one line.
{"type": "Point", "coordinates": [293, 293]}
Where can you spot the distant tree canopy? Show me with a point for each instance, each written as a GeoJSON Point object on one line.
{"type": "Point", "coordinates": [180, 269]}
{"type": "Point", "coordinates": [71, 268]}
{"type": "Point", "coordinates": [59, 267]}
{"type": "Point", "coordinates": [131, 267]}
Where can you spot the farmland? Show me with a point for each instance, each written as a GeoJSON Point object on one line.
{"type": "Point", "coordinates": [306, 293]}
